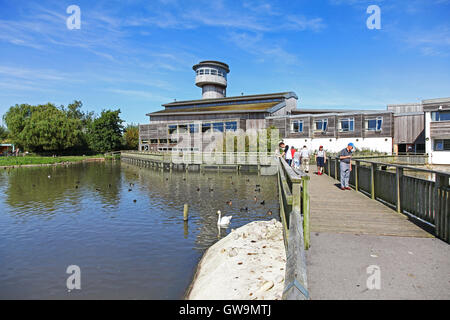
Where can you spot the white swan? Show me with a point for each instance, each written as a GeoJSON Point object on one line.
{"type": "Point", "coordinates": [223, 221]}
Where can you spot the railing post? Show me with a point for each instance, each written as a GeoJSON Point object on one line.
{"type": "Point", "coordinates": [373, 170]}
{"type": "Point", "coordinates": [336, 168]}
{"type": "Point", "coordinates": [398, 187]}
{"type": "Point", "coordinates": [296, 196]}
{"type": "Point", "coordinates": [356, 175]}
{"type": "Point", "coordinates": [306, 211]}
{"type": "Point", "coordinates": [442, 212]}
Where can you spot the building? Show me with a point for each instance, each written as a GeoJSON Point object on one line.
{"type": "Point", "coordinates": [6, 148]}
{"type": "Point", "coordinates": [409, 127]}
{"type": "Point", "coordinates": [437, 130]}
{"type": "Point", "coordinates": [412, 127]}
{"type": "Point", "coordinates": [371, 130]}
{"type": "Point", "coordinates": [214, 112]}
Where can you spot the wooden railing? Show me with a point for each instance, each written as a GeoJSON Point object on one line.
{"type": "Point", "coordinates": [293, 187]}
{"type": "Point", "coordinates": [213, 158]}
{"type": "Point", "coordinates": [420, 193]}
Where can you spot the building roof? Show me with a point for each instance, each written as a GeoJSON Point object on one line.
{"type": "Point", "coordinates": [282, 95]}
{"type": "Point", "coordinates": [437, 101]}
{"type": "Point", "coordinates": [238, 104]}
{"type": "Point", "coordinates": [234, 108]}
{"type": "Point", "coordinates": [213, 63]}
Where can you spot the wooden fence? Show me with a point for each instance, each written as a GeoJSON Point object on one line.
{"type": "Point", "coordinates": [213, 158]}
{"type": "Point", "coordinates": [401, 187]}
{"type": "Point", "coordinates": [294, 212]}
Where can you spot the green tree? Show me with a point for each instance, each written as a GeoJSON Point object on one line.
{"type": "Point", "coordinates": [3, 133]}
{"type": "Point", "coordinates": [43, 128]}
{"type": "Point", "coordinates": [131, 137]}
{"type": "Point", "coordinates": [105, 132]}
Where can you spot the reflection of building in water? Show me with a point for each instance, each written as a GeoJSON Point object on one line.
{"type": "Point", "coordinates": [399, 128]}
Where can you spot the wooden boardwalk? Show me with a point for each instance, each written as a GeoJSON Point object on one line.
{"type": "Point", "coordinates": [337, 211]}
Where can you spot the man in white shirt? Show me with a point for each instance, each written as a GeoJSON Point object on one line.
{"type": "Point", "coordinates": [304, 154]}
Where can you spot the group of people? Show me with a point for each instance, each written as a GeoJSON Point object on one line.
{"type": "Point", "coordinates": [297, 158]}
{"type": "Point", "coordinates": [300, 157]}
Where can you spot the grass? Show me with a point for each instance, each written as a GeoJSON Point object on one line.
{"type": "Point", "coordinates": [32, 159]}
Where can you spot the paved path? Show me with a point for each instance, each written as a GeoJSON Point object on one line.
{"type": "Point", "coordinates": [350, 232]}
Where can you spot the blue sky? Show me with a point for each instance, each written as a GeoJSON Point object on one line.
{"type": "Point", "coordinates": [136, 55]}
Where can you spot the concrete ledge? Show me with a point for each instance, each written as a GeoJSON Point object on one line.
{"type": "Point", "coordinates": [248, 264]}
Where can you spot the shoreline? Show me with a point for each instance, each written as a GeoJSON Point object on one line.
{"type": "Point", "coordinates": [15, 166]}
{"type": "Point", "coordinates": [247, 264]}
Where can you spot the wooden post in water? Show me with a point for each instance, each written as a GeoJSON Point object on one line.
{"type": "Point", "coordinates": [185, 212]}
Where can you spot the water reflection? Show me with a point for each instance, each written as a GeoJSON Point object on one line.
{"type": "Point", "coordinates": [122, 225]}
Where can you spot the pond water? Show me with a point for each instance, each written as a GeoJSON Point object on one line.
{"type": "Point", "coordinates": [128, 244]}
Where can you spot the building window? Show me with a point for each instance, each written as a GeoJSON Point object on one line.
{"type": "Point", "coordinates": [231, 126]}
{"type": "Point", "coordinates": [213, 72]}
{"type": "Point", "coordinates": [442, 145]}
{"type": "Point", "coordinates": [440, 116]}
{"type": "Point", "coordinates": [347, 124]}
{"type": "Point", "coordinates": [193, 128]}
{"type": "Point", "coordinates": [153, 141]}
{"type": "Point", "coordinates": [172, 129]}
{"type": "Point", "coordinates": [297, 126]}
{"type": "Point", "coordinates": [182, 128]}
{"type": "Point", "coordinates": [206, 127]}
{"type": "Point", "coordinates": [201, 71]}
{"type": "Point", "coordinates": [321, 125]}
{"type": "Point", "coordinates": [218, 127]}
{"type": "Point", "coordinates": [162, 140]}
{"type": "Point", "coordinates": [374, 124]}
{"type": "Point", "coordinates": [206, 71]}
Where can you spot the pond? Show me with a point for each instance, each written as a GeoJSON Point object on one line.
{"type": "Point", "coordinates": [121, 224]}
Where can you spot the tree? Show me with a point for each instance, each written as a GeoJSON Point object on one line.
{"type": "Point", "coordinates": [105, 132]}
{"type": "Point", "coordinates": [131, 137]}
{"type": "Point", "coordinates": [43, 128]}
{"type": "Point", "coordinates": [3, 133]}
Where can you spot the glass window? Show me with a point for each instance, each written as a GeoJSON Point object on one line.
{"type": "Point", "coordinates": [218, 127]}
{"type": "Point", "coordinates": [206, 71]}
{"type": "Point", "coordinates": [347, 124]}
{"type": "Point", "coordinates": [153, 141]}
{"type": "Point", "coordinates": [206, 127]}
{"type": "Point", "coordinates": [321, 125]}
{"type": "Point", "coordinates": [231, 126]}
{"type": "Point", "coordinates": [162, 140]}
{"type": "Point", "coordinates": [379, 123]}
{"type": "Point", "coordinates": [442, 145]}
{"type": "Point", "coordinates": [182, 128]}
{"type": "Point", "coordinates": [172, 129]}
{"type": "Point", "coordinates": [193, 128]}
{"type": "Point", "coordinates": [201, 71]}
{"type": "Point", "coordinates": [440, 116]}
{"type": "Point", "coordinates": [297, 126]}
{"type": "Point", "coordinates": [374, 124]}
{"type": "Point", "coordinates": [214, 72]}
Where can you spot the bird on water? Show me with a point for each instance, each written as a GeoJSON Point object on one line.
{"type": "Point", "coordinates": [223, 221]}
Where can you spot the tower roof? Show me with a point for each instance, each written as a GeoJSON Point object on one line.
{"type": "Point", "coordinates": [212, 63]}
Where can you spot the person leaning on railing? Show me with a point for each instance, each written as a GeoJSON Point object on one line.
{"type": "Point", "coordinates": [346, 165]}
